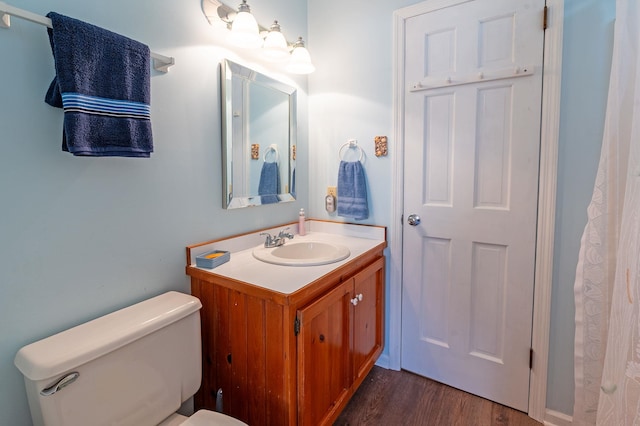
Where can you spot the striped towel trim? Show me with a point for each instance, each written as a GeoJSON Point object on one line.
{"type": "Point", "coordinates": [76, 102]}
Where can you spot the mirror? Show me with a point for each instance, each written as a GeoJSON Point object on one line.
{"type": "Point", "coordinates": [258, 138]}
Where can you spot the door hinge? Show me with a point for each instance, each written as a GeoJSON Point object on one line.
{"type": "Point", "coordinates": [545, 17]}
{"type": "Point", "coordinates": [530, 358]}
{"type": "Point", "coordinates": [296, 326]}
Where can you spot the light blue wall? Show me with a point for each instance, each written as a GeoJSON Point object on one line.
{"type": "Point", "coordinates": [81, 237]}
{"type": "Point", "coordinates": [588, 40]}
{"type": "Point", "coordinates": [351, 97]}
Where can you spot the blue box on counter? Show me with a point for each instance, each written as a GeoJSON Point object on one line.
{"type": "Point", "coordinates": [212, 259]}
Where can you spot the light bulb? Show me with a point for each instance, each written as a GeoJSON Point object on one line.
{"type": "Point", "coordinates": [300, 62]}
{"type": "Point", "coordinates": [275, 46]}
{"type": "Point", "coordinates": [244, 29]}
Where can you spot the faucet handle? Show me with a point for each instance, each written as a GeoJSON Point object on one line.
{"type": "Point", "coordinates": [285, 234]}
{"type": "Point", "coordinates": [269, 238]}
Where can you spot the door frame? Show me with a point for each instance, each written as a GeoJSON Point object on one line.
{"type": "Point", "coordinates": [550, 124]}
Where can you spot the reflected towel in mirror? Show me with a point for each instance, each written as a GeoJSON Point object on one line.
{"type": "Point", "coordinates": [269, 186]}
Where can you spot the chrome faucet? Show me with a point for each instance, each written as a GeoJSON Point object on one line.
{"type": "Point", "coordinates": [276, 240]}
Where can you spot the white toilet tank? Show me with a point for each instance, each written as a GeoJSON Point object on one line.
{"type": "Point", "coordinates": [135, 366]}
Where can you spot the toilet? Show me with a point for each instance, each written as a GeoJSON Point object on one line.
{"type": "Point", "coordinates": [135, 366]}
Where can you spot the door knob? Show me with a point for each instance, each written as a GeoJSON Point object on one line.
{"type": "Point", "coordinates": [413, 219]}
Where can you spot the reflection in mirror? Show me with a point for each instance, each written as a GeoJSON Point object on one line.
{"type": "Point", "coordinates": [258, 138]}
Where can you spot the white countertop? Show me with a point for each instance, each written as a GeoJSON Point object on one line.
{"type": "Point", "coordinates": [287, 279]}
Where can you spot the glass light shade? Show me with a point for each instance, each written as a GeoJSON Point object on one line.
{"type": "Point", "coordinates": [244, 29]}
{"type": "Point", "coordinates": [300, 62]}
{"type": "Point", "coordinates": [275, 45]}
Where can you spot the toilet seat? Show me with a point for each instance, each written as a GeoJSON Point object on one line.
{"type": "Point", "coordinates": [210, 418]}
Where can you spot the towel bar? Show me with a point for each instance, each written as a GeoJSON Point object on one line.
{"type": "Point", "coordinates": [351, 144]}
{"type": "Point", "coordinates": [272, 148]}
{"type": "Point", "coordinates": [160, 62]}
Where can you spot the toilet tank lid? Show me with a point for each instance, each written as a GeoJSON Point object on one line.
{"type": "Point", "coordinates": [69, 349]}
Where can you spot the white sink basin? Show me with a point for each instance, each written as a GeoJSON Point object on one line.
{"type": "Point", "coordinates": [308, 253]}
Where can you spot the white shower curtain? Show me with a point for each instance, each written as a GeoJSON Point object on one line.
{"type": "Point", "coordinates": [607, 290]}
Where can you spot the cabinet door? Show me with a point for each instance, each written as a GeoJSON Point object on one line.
{"type": "Point", "coordinates": [368, 321]}
{"type": "Point", "coordinates": [323, 356]}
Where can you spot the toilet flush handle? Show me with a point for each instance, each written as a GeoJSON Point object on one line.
{"type": "Point", "coordinates": [66, 380]}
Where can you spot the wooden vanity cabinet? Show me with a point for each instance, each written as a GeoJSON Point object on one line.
{"type": "Point", "coordinates": [290, 359]}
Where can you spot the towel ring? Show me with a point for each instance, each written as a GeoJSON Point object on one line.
{"type": "Point", "coordinates": [271, 148]}
{"type": "Point", "coordinates": [351, 144]}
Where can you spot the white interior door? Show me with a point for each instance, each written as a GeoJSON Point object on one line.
{"type": "Point", "coordinates": [472, 138]}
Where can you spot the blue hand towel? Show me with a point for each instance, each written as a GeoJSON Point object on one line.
{"type": "Point", "coordinates": [102, 83]}
{"type": "Point", "coordinates": [269, 186]}
{"type": "Point", "coordinates": [352, 190]}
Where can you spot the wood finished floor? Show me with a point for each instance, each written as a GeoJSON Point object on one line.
{"type": "Point", "coordinates": [392, 398]}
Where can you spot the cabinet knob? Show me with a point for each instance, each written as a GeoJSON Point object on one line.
{"type": "Point", "coordinates": [322, 337]}
{"type": "Point", "coordinates": [354, 301]}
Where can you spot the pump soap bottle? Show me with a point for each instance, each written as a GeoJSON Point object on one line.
{"type": "Point", "coordinates": [301, 225]}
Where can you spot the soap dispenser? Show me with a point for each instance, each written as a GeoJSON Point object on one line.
{"type": "Point", "coordinates": [302, 230]}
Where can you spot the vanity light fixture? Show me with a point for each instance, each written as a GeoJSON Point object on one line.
{"type": "Point", "coordinates": [300, 62]}
{"type": "Point", "coordinates": [246, 32]}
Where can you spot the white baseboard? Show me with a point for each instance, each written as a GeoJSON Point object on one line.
{"type": "Point", "coordinates": [555, 418]}
{"type": "Point", "coordinates": [384, 362]}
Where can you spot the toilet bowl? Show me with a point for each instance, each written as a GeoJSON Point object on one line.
{"type": "Point", "coordinates": [202, 418]}
{"type": "Point", "coordinates": [135, 366]}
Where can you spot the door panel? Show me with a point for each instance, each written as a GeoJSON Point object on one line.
{"type": "Point", "coordinates": [472, 134]}
{"type": "Point", "coordinates": [323, 355]}
{"type": "Point", "coordinates": [368, 319]}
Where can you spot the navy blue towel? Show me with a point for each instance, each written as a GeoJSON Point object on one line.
{"type": "Point", "coordinates": [269, 186]}
{"type": "Point", "coordinates": [102, 83]}
{"type": "Point", "coordinates": [352, 191]}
